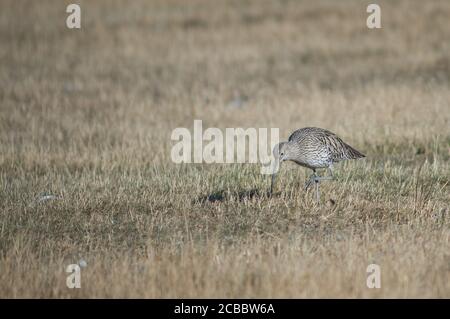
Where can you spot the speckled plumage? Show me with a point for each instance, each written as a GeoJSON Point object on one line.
{"type": "Point", "coordinates": [314, 148]}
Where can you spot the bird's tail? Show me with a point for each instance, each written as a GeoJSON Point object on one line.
{"type": "Point", "coordinates": [353, 153]}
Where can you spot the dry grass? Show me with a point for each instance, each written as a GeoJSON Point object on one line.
{"type": "Point", "coordinates": [87, 115]}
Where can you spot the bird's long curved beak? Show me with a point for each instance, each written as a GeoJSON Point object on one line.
{"type": "Point", "coordinates": [274, 175]}
{"type": "Point", "coordinates": [275, 169]}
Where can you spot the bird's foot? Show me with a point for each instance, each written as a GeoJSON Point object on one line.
{"type": "Point", "coordinates": [311, 180]}
{"type": "Point", "coordinates": [316, 179]}
{"type": "Point", "coordinates": [325, 178]}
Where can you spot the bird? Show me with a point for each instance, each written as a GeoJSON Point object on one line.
{"type": "Point", "coordinates": [314, 148]}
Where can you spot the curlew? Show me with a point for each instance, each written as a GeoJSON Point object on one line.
{"type": "Point", "coordinates": [314, 148]}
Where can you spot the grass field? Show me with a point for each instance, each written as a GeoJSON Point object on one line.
{"type": "Point", "coordinates": [86, 115]}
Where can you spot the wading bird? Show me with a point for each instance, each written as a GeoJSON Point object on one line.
{"type": "Point", "coordinates": [313, 148]}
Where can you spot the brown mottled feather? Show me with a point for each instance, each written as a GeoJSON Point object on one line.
{"type": "Point", "coordinates": [317, 148]}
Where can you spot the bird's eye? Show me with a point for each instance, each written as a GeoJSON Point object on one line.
{"type": "Point", "coordinates": [282, 154]}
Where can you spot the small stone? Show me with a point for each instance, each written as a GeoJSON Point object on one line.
{"type": "Point", "coordinates": [82, 263]}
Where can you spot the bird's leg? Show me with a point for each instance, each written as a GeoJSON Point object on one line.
{"type": "Point", "coordinates": [317, 192]}
{"type": "Point", "coordinates": [330, 170]}
{"type": "Point", "coordinates": [325, 178]}
{"type": "Point", "coordinates": [316, 180]}
{"type": "Point", "coordinates": [312, 179]}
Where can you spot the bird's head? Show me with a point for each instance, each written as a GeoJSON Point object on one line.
{"type": "Point", "coordinates": [281, 152]}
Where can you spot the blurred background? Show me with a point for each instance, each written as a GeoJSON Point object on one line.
{"type": "Point", "coordinates": [146, 67]}
{"type": "Point", "coordinates": [86, 116]}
